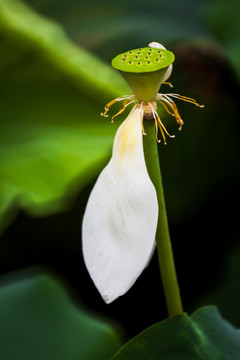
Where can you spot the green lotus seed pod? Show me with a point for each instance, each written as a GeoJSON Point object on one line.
{"type": "Point", "coordinates": [144, 70]}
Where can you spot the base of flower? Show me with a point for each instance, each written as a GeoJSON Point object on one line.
{"type": "Point", "coordinates": [149, 110]}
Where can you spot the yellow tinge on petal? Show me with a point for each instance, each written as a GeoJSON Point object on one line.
{"type": "Point", "coordinates": [128, 141]}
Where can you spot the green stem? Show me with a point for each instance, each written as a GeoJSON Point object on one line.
{"type": "Point", "coordinates": [165, 254]}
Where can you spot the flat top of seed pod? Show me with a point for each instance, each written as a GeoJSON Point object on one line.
{"type": "Point", "coordinates": [141, 60]}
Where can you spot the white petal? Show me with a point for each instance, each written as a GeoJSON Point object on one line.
{"type": "Point", "coordinates": [160, 46]}
{"type": "Point", "coordinates": [120, 221]}
{"type": "Point", "coordinates": [168, 73]}
{"type": "Point", "coordinates": [156, 45]}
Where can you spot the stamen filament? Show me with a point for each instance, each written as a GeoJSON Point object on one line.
{"type": "Point", "coordinates": [176, 113]}
{"type": "Point", "coordinates": [163, 127]}
{"type": "Point", "coordinates": [160, 125]}
{"type": "Point", "coordinates": [185, 98]}
{"type": "Point", "coordinates": [168, 83]}
{"type": "Point", "coordinates": [156, 127]}
{"type": "Point", "coordinates": [166, 98]}
{"type": "Point", "coordinates": [141, 112]}
{"type": "Point", "coordinates": [166, 108]}
{"type": "Point", "coordinates": [120, 98]}
{"type": "Point", "coordinates": [125, 104]}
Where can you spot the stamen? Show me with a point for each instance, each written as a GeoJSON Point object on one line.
{"type": "Point", "coordinates": [125, 104]}
{"type": "Point", "coordinates": [168, 83]}
{"type": "Point", "coordinates": [160, 125]}
{"type": "Point", "coordinates": [166, 108]}
{"type": "Point", "coordinates": [185, 98]}
{"type": "Point", "coordinates": [173, 107]}
{"type": "Point", "coordinates": [156, 124]}
{"type": "Point", "coordinates": [120, 98]}
{"type": "Point", "coordinates": [141, 112]}
{"type": "Point", "coordinates": [148, 109]}
{"type": "Point", "coordinates": [156, 127]}
{"type": "Point", "coordinates": [166, 101]}
{"type": "Point", "coordinates": [104, 114]}
{"type": "Point", "coordinates": [175, 111]}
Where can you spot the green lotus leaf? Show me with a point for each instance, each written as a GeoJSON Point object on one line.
{"type": "Point", "coordinates": [52, 137]}
{"type": "Point", "coordinates": [204, 335]}
{"type": "Point", "coordinates": [40, 321]}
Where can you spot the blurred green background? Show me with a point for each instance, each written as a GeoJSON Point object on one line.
{"type": "Point", "coordinates": [55, 80]}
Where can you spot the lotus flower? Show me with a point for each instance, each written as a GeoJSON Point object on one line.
{"type": "Point", "coordinates": [120, 221]}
